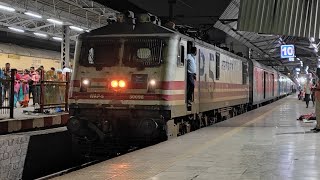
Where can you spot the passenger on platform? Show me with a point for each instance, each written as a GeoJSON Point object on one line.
{"type": "Point", "coordinates": [2, 78]}
{"type": "Point", "coordinates": [307, 90]}
{"type": "Point", "coordinates": [18, 94]}
{"type": "Point", "coordinates": [61, 77]}
{"type": "Point", "coordinates": [34, 88]}
{"type": "Point", "coordinates": [6, 84]}
{"type": "Point", "coordinates": [51, 90]}
{"type": "Point", "coordinates": [25, 87]}
{"type": "Point", "coordinates": [191, 65]}
{"type": "Point", "coordinates": [67, 69]}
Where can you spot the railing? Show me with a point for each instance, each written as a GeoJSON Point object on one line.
{"type": "Point", "coordinates": [7, 96]}
{"type": "Point", "coordinates": [53, 95]}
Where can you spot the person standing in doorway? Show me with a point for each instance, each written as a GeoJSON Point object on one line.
{"type": "Point", "coordinates": [307, 90]}
{"type": "Point", "coordinates": [192, 70]}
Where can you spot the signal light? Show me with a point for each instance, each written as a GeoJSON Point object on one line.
{"type": "Point", "coordinates": [122, 84]}
{"type": "Point", "coordinates": [114, 84]}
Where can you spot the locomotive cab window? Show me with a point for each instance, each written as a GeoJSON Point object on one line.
{"type": "Point", "coordinates": [217, 66]}
{"type": "Point", "coordinates": [100, 53]}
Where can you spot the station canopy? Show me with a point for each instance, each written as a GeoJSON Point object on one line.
{"type": "Point", "coordinates": [252, 28]}
{"type": "Point", "coordinates": [44, 18]}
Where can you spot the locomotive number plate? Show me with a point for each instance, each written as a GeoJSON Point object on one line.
{"type": "Point", "coordinates": [136, 97]}
{"type": "Point", "coordinates": [96, 96]}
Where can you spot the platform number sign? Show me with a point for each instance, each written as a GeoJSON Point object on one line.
{"type": "Point", "coordinates": [287, 51]}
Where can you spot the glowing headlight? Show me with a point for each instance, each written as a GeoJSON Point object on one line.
{"type": "Point", "coordinates": [114, 84]}
{"type": "Point", "coordinates": [152, 82]}
{"type": "Point", "coordinates": [122, 84]}
{"type": "Point", "coordinates": [86, 82]}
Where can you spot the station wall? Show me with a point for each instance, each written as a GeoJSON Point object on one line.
{"type": "Point", "coordinates": [23, 57]}
{"type": "Point", "coordinates": [21, 62]}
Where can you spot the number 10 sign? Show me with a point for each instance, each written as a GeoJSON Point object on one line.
{"type": "Point", "coordinates": [287, 51]}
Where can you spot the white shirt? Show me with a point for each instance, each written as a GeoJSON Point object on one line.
{"type": "Point", "coordinates": [191, 64]}
{"type": "Point", "coordinates": [307, 89]}
{"type": "Point", "coordinates": [65, 70]}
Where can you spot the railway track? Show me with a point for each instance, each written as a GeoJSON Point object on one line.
{"type": "Point", "coordinates": [84, 165]}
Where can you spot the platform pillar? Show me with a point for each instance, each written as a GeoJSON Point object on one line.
{"type": "Point", "coordinates": [65, 47]}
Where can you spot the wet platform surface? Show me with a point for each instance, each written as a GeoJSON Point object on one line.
{"type": "Point", "coordinates": [267, 143]}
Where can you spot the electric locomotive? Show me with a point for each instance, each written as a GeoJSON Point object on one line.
{"type": "Point", "coordinates": [129, 84]}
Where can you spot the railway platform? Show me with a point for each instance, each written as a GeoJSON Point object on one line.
{"type": "Point", "coordinates": [24, 121]}
{"type": "Point", "coordinates": [266, 143]}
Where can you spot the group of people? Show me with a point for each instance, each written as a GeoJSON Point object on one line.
{"type": "Point", "coordinates": [308, 92]}
{"type": "Point", "coordinates": [26, 83]}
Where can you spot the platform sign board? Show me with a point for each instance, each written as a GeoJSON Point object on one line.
{"type": "Point", "coordinates": [287, 51]}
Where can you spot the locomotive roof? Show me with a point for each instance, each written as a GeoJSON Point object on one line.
{"type": "Point", "coordinates": [124, 28]}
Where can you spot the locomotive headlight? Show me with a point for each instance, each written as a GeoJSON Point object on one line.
{"type": "Point", "coordinates": [114, 84]}
{"type": "Point", "coordinates": [122, 84]}
{"type": "Point", "coordinates": [86, 82]}
{"type": "Point", "coordinates": [152, 82]}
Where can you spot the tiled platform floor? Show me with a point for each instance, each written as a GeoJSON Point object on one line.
{"type": "Point", "coordinates": [265, 144]}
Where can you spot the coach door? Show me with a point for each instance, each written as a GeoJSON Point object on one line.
{"type": "Point", "coordinates": [189, 45]}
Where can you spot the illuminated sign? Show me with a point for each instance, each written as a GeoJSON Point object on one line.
{"type": "Point", "coordinates": [287, 51]}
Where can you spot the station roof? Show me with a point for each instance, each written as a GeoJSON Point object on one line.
{"type": "Point", "coordinates": [43, 18]}
{"type": "Point", "coordinates": [224, 15]}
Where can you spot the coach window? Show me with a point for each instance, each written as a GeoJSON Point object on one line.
{"type": "Point", "coordinates": [217, 66]}
{"type": "Point", "coordinates": [181, 56]}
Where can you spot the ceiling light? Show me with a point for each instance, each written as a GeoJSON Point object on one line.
{"type": "Point", "coordinates": [76, 28]}
{"type": "Point", "coordinates": [314, 45]}
{"type": "Point", "coordinates": [312, 39]}
{"type": "Point", "coordinates": [40, 34]}
{"type": "Point", "coordinates": [88, 30]}
{"type": "Point", "coordinates": [16, 29]}
{"type": "Point", "coordinates": [57, 38]}
{"type": "Point", "coordinates": [33, 15]}
{"type": "Point", "coordinates": [7, 8]}
{"type": "Point", "coordinates": [55, 21]}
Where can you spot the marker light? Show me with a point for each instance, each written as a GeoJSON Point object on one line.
{"type": "Point", "coordinates": [85, 82]}
{"type": "Point", "coordinates": [114, 84]}
{"type": "Point", "coordinates": [7, 8]}
{"type": "Point", "coordinates": [122, 84]}
{"type": "Point", "coordinates": [152, 82]}
{"type": "Point", "coordinates": [33, 15]}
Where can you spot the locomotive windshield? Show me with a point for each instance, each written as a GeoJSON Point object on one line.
{"type": "Point", "coordinates": [142, 52]}
{"type": "Point", "coordinates": [137, 52]}
{"type": "Point", "coordinates": [101, 52]}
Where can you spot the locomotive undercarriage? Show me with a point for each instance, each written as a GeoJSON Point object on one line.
{"type": "Point", "coordinates": [98, 129]}
{"type": "Point", "coordinates": [102, 131]}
